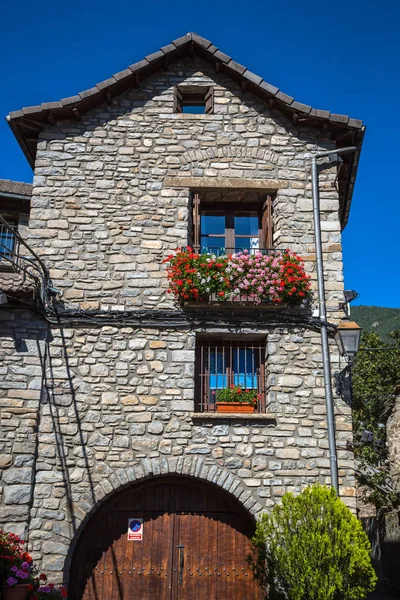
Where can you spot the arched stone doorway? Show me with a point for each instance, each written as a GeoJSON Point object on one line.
{"type": "Point", "coordinates": [194, 545]}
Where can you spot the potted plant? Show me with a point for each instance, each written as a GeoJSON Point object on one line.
{"type": "Point", "coordinates": [236, 399]}
{"type": "Point", "coordinates": [16, 567]}
{"type": "Point", "coordinates": [17, 580]}
{"type": "Point", "coordinates": [276, 277]}
{"type": "Point", "coordinates": [42, 590]}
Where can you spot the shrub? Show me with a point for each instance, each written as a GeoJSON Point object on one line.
{"type": "Point", "coordinates": [311, 547]}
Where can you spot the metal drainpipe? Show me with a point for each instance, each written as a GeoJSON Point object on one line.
{"type": "Point", "coordinates": [330, 415]}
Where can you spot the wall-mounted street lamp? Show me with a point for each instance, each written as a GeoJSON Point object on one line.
{"type": "Point", "coordinates": [347, 338]}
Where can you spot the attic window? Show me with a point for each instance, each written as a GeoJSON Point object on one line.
{"type": "Point", "coordinates": [194, 100]}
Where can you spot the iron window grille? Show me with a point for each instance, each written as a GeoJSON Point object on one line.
{"type": "Point", "coordinates": [223, 363]}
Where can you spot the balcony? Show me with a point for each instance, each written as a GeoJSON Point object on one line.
{"type": "Point", "coordinates": [237, 277]}
{"type": "Point", "coordinates": [18, 276]}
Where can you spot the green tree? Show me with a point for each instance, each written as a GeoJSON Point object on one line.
{"type": "Point", "coordinates": [311, 547]}
{"type": "Point", "coordinates": [375, 382]}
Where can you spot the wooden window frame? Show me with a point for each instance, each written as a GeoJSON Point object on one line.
{"type": "Point", "coordinates": [264, 210]}
{"type": "Point", "coordinates": [202, 368]}
{"type": "Point", "coordinates": [202, 96]}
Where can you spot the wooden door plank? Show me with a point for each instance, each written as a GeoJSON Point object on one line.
{"type": "Point", "coordinates": [215, 536]}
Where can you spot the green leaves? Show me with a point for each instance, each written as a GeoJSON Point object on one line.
{"type": "Point", "coordinates": [311, 547]}
{"type": "Point", "coordinates": [375, 377]}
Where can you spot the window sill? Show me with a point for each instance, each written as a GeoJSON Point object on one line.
{"type": "Point", "coordinates": [214, 416]}
{"type": "Point", "coordinates": [190, 116]}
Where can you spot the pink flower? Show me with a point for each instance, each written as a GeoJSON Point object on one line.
{"type": "Point", "coordinates": [25, 565]}
{"type": "Point", "coordinates": [12, 581]}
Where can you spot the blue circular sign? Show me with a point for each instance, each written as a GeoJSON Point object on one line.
{"type": "Point", "coordinates": [135, 525]}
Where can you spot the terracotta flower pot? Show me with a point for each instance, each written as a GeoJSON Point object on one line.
{"type": "Point", "coordinates": [235, 407]}
{"type": "Point", "coordinates": [15, 592]}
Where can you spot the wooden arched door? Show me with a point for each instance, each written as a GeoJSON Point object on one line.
{"type": "Point", "coordinates": [194, 546]}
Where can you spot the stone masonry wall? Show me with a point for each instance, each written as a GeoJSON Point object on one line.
{"type": "Point", "coordinates": [105, 211]}
{"type": "Point", "coordinates": [86, 410]}
{"type": "Point", "coordinates": [116, 398]}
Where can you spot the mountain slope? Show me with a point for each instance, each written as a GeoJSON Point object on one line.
{"type": "Point", "coordinates": [376, 318]}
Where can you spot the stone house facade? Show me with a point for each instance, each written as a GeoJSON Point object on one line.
{"type": "Point", "coordinates": [98, 362]}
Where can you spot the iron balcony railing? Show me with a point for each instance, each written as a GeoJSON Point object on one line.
{"type": "Point", "coordinates": [226, 251]}
{"type": "Point", "coordinates": [243, 297]}
{"type": "Point", "coordinates": [17, 256]}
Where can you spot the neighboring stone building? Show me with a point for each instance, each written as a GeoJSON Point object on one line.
{"type": "Point", "coordinates": [101, 390]}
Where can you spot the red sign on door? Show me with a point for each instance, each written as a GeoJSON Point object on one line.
{"type": "Point", "coordinates": [135, 530]}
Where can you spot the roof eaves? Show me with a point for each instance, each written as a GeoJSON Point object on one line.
{"type": "Point", "coordinates": [87, 99]}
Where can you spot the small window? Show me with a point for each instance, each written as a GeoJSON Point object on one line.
{"type": "Point", "coordinates": [7, 243]}
{"type": "Point", "coordinates": [194, 100]}
{"type": "Point", "coordinates": [223, 363]}
{"type": "Point", "coordinates": [232, 227]}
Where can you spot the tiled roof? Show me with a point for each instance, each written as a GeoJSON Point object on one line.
{"type": "Point", "coordinates": [27, 123]}
{"type": "Point", "coordinates": [14, 188]}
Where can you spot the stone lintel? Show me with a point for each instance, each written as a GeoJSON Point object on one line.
{"type": "Point", "coordinates": [270, 185]}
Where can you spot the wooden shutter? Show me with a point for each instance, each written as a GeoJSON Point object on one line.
{"type": "Point", "coordinates": [209, 98]}
{"type": "Point", "coordinates": [196, 222]}
{"type": "Point", "coordinates": [267, 224]}
{"type": "Point", "coordinates": [177, 101]}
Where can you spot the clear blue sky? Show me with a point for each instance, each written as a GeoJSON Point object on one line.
{"type": "Point", "coordinates": [341, 56]}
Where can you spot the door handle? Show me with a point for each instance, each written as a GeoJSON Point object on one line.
{"type": "Point", "coordinates": [181, 563]}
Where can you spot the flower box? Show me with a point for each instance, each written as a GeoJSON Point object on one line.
{"type": "Point", "coordinates": [15, 592]}
{"type": "Point", "coordinates": [235, 407]}
{"type": "Point", "coordinates": [276, 277]}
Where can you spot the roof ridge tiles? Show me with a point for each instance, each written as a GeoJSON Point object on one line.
{"type": "Point", "coordinates": [259, 84]}
{"type": "Point", "coordinates": [27, 122]}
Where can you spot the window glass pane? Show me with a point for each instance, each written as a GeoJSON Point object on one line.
{"type": "Point", "coordinates": [194, 109]}
{"type": "Point", "coordinates": [244, 367]}
{"type": "Point", "coordinates": [6, 243]}
{"type": "Point", "coordinates": [212, 223]}
{"type": "Point", "coordinates": [218, 378]}
{"type": "Point", "coordinates": [246, 224]}
{"type": "Point", "coordinates": [248, 243]}
{"type": "Point", "coordinates": [212, 244]}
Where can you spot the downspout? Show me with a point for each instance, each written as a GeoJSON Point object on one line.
{"type": "Point", "coordinates": [330, 415]}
